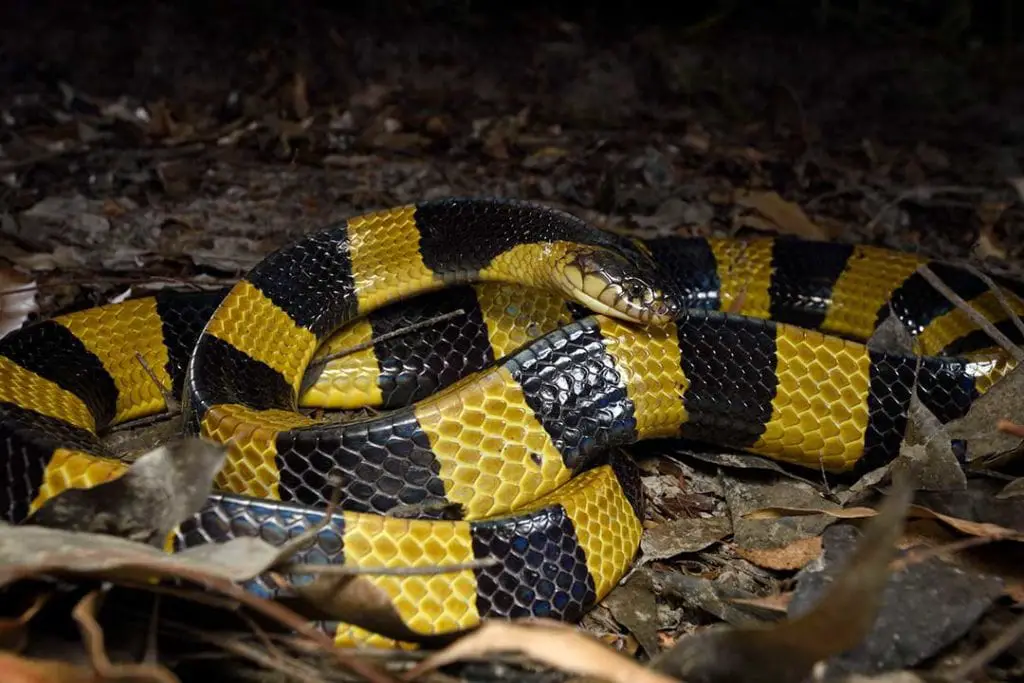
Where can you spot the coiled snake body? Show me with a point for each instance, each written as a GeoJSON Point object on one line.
{"type": "Point", "coordinates": [547, 344]}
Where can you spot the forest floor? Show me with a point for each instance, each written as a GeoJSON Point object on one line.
{"type": "Point", "coordinates": [166, 146]}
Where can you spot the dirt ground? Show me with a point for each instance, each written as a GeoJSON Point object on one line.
{"type": "Point", "coordinates": [153, 143]}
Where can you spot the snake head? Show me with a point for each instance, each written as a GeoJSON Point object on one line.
{"type": "Point", "coordinates": [613, 284]}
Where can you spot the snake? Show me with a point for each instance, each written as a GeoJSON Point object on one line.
{"type": "Point", "coordinates": [506, 354]}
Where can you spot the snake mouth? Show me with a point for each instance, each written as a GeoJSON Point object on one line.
{"type": "Point", "coordinates": [608, 284]}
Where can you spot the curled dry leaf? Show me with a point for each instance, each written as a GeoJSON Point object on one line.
{"type": "Point", "coordinates": [787, 651]}
{"type": "Point", "coordinates": [17, 299]}
{"type": "Point", "coordinates": [988, 530]}
{"type": "Point", "coordinates": [159, 491]}
{"type": "Point", "coordinates": [358, 601]}
{"type": "Point", "coordinates": [555, 644]}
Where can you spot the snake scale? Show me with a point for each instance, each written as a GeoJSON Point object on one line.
{"type": "Point", "coordinates": [542, 344]}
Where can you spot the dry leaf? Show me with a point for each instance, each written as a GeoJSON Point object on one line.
{"type": "Point", "coordinates": [787, 651]}
{"type": "Point", "coordinates": [553, 643]}
{"type": "Point", "coordinates": [17, 299]}
{"type": "Point", "coordinates": [160, 490]}
{"type": "Point", "coordinates": [778, 602]}
{"type": "Point", "coordinates": [971, 528]}
{"type": "Point", "coordinates": [781, 215]}
{"type": "Point", "coordinates": [789, 557]}
{"type": "Point", "coordinates": [685, 535]}
{"type": "Point", "coordinates": [355, 600]}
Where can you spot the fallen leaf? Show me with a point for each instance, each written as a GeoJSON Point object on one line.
{"type": "Point", "coordinates": [1012, 490]}
{"type": "Point", "coordinates": [17, 299]}
{"type": "Point", "coordinates": [357, 601]}
{"type": "Point", "coordinates": [786, 651]}
{"type": "Point", "coordinates": [544, 158]}
{"type": "Point", "coordinates": [777, 602]}
{"type": "Point", "coordinates": [784, 216]}
{"type": "Point", "coordinates": [986, 444]}
{"type": "Point", "coordinates": [789, 557]}
{"type": "Point", "coordinates": [971, 528]}
{"type": "Point", "coordinates": [685, 535]}
{"type": "Point", "coordinates": [759, 532]}
{"type": "Point", "coordinates": [713, 597]}
{"type": "Point", "coordinates": [159, 491]}
{"type": "Point", "coordinates": [635, 606]}
{"type": "Point", "coordinates": [926, 456]}
{"type": "Point", "coordinates": [552, 643]}
{"type": "Point", "coordinates": [926, 605]}
{"type": "Point", "coordinates": [779, 512]}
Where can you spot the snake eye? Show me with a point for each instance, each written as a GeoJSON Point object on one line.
{"type": "Point", "coordinates": [638, 291]}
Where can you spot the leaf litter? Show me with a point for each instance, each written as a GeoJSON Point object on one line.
{"type": "Point", "coordinates": [177, 188]}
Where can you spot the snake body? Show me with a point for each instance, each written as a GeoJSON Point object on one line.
{"type": "Point", "coordinates": [543, 344]}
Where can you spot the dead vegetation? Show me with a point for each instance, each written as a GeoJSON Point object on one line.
{"type": "Point", "coordinates": [218, 144]}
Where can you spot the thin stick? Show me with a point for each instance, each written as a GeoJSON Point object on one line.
{"type": "Point", "coordinates": [171, 403]}
{"type": "Point", "coordinates": [294, 545]}
{"type": "Point", "coordinates": [384, 337]}
{"type": "Point", "coordinates": [345, 570]}
{"type": "Point", "coordinates": [144, 421]}
{"type": "Point", "coordinates": [1000, 296]}
{"type": "Point", "coordinates": [275, 661]}
{"type": "Point", "coordinates": [975, 317]}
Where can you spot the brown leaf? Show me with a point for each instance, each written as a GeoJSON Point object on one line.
{"type": "Point", "coordinates": [790, 557]}
{"type": "Point", "coordinates": [971, 528]}
{"type": "Point", "coordinates": [787, 650]}
{"type": "Point", "coordinates": [635, 606]}
{"type": "Point", "coordinates": [986, 443]}
{"type": "Point", "coordinates": [159, 491]}
{"type": "Point", "coordinates": [685, 535]}
{"type": "Point", "coordinates": [17, 299]}
{"type": "Point", "coordinates": [781, 215]}
{"type": "Point", "coordinates": [777, 512]}
{"type": "Point", "coordinates": [354, 600]}
{"type": "Point", "coordinates": [555, 644]}
{"type": "Point", "coordinates": [778, 602]}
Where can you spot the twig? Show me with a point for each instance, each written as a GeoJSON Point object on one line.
{"type": "Point", "coordinates": [975, 317]}
{"type": "Point", "coordinates": [384, 337]}
{"type": "Point", "coordinates": [1011, 428]}
{"type": "Point", "coordinates": [347, 570]}
{"type": "Point", "coordinates": [92, 635]}
{"type": "Point", "coordinates": [291, 667]}
{"type": "Point", "coordinates": [170, 402]}
{"type": "Point", "coordinates": [144, 421]}
{"type": "Point", "coordinates": [295, 545]}
{"type": "Point", "coordinates": [286, 617]}
{"type": "Point", "coordinates": [1011, 635]}
{"type": "Point", "coordinates": [999, 294]}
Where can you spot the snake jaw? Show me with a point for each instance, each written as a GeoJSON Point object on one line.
{"type": "Point", "coordinates": [608, 284]}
